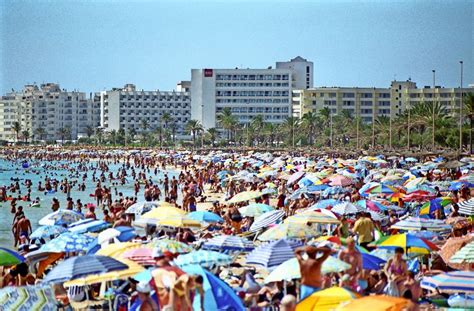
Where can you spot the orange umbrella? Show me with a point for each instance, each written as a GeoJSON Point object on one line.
{"type": "Point", "coordinates": [43, 264]}
{"type": "Point", "coordinates": [378, 302]}
{"type": "Point", "coordinates": [452, 246]}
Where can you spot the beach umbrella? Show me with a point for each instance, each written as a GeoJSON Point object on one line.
{"type": "Point", "coordinates": [205, 216]}
{"type": "Point", "coordinates": [81, 266]}
{"type": "Point", "coordinates": [203, 258]}
{"type": "Point", "coordinates": [133, 269]}
{"type": "Point", "coordinates": [267, 219]}
{"type": "Point", "coordinates": [457, 185]}
{"type": "Point", "coordinates": [44, 232]}
{"type": "Point", "coordinates": [141, 208]}
{"type": "Point", "coordinates": [244, 196]}
{"type": "Point", "coordinates": [172, 246]}
{"type": "Point", "coordinates": [371, 205]}
{"type": "Point", "coordinates": [419, 224]}
{"type": "Point", "coordinates": [255, 209]}
{"type": "Point", "coordinates": [163, 211]}
{"type": "Point", "coordinates": [179, 221]}
{"type": "Point", "coordinates": [68, 242]}
{"type": "Point", "coordinates": [451, 282]}
{"type": "Point", "coordinates": [9, 257]}
{"type": "Point", "coordinates": [60, 217]}
{"type": "Point", "coordinates": [340, 180]}
{"type": "Point", "coordinates": [453, 245]}
{"type": "Point", "coordinates": [376, 302]}
{"type": "Point", "coordinates": [413, 183]}
{"type": "Point", "coordinates": [228, 242]}
{"type": "Point", "coordinates": [121, 234]}
{"type": "Point", "coordinates": [346, 208]}
{"type": "Point", "coordinates": [88, 225]}
{"type": "Point", "coordinates": [433, 205]}
{"type": "Point", "coordinates": [290, 269]}
{"type": "Point", "coordinates": [30, 297]}
{"type": "Point", "coordinates": [408, 242]}
{"type": "Point", "coordinates": [326, 300]}
{"type": "Point", "coordinates": [325, 203]}
{"type": "Point", "coordinates": [273, 254]}
{"type": "Point", "coordinates": [418, 196]}
{"type": "Point", "coordinates": [381, 189]}
{"type": "Point", "coordinates": [217, 294]}
{"type": "Point", "coordinates": [143, 256]}
{"type": "Point", "coordinates": [334, 190]}
{"type": "Point", "coordinates": [411, 159]}
{"type": "Point", "coordinates": [453, 164]}
{"type": "Point", "coordinates": [466, 207]}
{"type": "Point", "coordinates": [464, 256]}
{"type": "Point", "coordinates": [309, 216]}
{"type": "Point", "coordinates": [371, 262]}
{"type": "Point", "coordinates": [295, 177]}
{"type": "Point", "coordinates": [290, 231]}
{"type": "Point", "coordinates": [117, 249]}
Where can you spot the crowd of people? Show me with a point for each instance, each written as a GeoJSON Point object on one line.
{"type": "Point", "coordinates": [366, 197]}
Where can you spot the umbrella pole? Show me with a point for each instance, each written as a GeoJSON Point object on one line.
{"type": "Point", "coordinates": [285, 287]}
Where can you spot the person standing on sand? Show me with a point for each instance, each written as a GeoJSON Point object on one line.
{"type": "Point", "coordinates": [310, 268]}
{"type": "Point", "coordinates": [23, 227]}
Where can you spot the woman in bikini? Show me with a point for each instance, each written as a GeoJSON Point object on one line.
{"type": "Point", "coordinates": [396, 269]}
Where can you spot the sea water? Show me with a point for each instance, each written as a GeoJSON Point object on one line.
{"type": "Point", "coordinates": [10, 171]}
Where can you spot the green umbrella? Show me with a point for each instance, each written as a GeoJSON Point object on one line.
{"type": "Point", "coordinates": [9, 257]}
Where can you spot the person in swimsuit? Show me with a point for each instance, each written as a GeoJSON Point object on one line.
{"type": "Point", "coordinates": [353, 257]}
{"type": "Point", "coordinates": [310, 268]}
{"type": "Point", "coordinates": [396, 269]}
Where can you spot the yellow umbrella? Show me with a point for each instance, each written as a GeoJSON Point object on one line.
{"type": "Point", "coordinates": [163, 212]}
{"type": "Point", "coordinates": [312, 217]}
{"type": "Point", "coordinates": [378, 302]}
{"type": "Point", "coordinates": [244, 196]}
{"type": "Point", "coordinates": [133, 268]}
{"type": "Point", "coordinates": [115, 250]}
{"type": "Point", "coordinates": [326, 300]}
{"type": "Point", "coordinates": [178, 222]}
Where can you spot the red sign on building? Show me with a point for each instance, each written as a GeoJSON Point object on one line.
{"type": "Point", "coordinates": [208, 73]}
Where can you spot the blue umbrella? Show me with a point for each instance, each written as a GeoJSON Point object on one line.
{"type": "Point", "coordinates": [325, 203]}
{"type": "Point", "coordinates": [60, 217]}
{"type": "Point", "coordinates": [267, 219]}
{"type": "Point", "coordinates": [88, 225]}
{"type": "Point", "coordinates": [371, 262]}
{"type": "Point", "coordinates": [451, 282]}
{"type": "Point", "coordinates": [205, 216]}
{"type": "Point", "coordinates": [203, 258]}
{"type": "Point", "coordinates": [229, 242]}
{"type": "Point", "coordinates": [81, 266]}
{"type": "Point", "coordinates": [273, 254]}
{"type": "Point", "coordinates": [47, 232]}
{"type": "Point", "coordinates": [459, 184]}
{"type": "Point", "coordinates": [217, 294]}
{"type": "Point", "coordinates": [68, 242]}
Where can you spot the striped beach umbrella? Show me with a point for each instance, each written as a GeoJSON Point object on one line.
{"type": "Point", "coordinates": [433, 205]}
{"type": "Point", "coordinates": [346, 208]}
{"type": "Point", "coordinates": [419, 224]}
{"type": "Point", "coordinates": [142, 255]}
{"type": "Point", "coordinates": [273, 254]}
{"type": "Point", "coordinates": [466, 207]}
{"type": "Point", "coordinates": [464, 255]}
{"type": "Point", "coordinates": [267, 219]}
{"type": "Point", "coordinates": [289, 231]}
{"type": "Point", "coordinates": [80, 266]}
{"type": "Point", "coordinates": [451, 282]}
{"type": "Point", "coordinates": [229, 242]}
{"type": "Point", "coordinates": [203, 258]}
{"type": "Point", "coordinates": [141, 208]}
{"type": "Point", "coordinates": [31, 297]}
{"type": "Point", "coordinates": [409, 242]}
{"type": "Point", "coordinates": [312, 217]}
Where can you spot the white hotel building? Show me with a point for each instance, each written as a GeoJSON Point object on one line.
{"type": "Point", "coordinates": [125, 108]}
{"type": "Point", "coordinates": [48, 107]}
{"type": "Point", "coordinates": [248, 92]}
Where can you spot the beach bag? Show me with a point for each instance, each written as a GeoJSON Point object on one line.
{"type": "Point", "coordinates": [391, 289]}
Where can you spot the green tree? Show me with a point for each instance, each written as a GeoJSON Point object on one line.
{"type": "Point", "coordinates": [290, 127]}
{"type": "Point", "coordinates": [16, 127]}
{"type": "Point", "coordinates": [64, 133]}
{"type": "Point", "coordinates": [310, 122]}
{"type": "Point", "coordinates": [26, 135]}
{"type": "Point", "coordinates": [89, 130]}
{"type": "Point", "coordinates": [212, 135]}
{"type": "Point", "coordinates": [257, 126]}
{"type": "Point", "coordinates": [469, 111]}
{"type": "Point", "coordinates": [39, 133]}
{"type": "Point", "coordinates": [194, 127]}
{"type": "Point", "coordinates": [227, 121]}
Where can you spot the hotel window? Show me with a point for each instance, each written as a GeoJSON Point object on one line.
{"type": "Point", "coordinates": [349, 95]}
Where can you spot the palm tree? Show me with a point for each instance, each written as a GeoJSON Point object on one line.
{"type": "Point", "coordinates": [269, 130]}
{"type": "Point", "coordinates": [166, 118]}
{"type": "Point", "coordinates": [26, 135]}
{"type": "Point", "coordinates": [99, 135]}
{"type": "Point", "coordinates": [159, 131]}
{"type": "Point", "coordinates": [17, 129]}
{"type": "Point", "coordinates": [325, 115]}
{"type": "Point", "coordinates": [382, 128]}
{"type": "Point", "coordinates": [257, 126]}
{"type": "Point", "coordinates": [194, 127]}
{"type": "Point", "coordinates": [39, 133]}
{"type": "Point", "coordinates": [173, 128]}
{"type": "Point", "coordinates": [89, 130]}
{"type": "Point", "coordinates": [64, 132]}
{"type": "Point", "coordinates": [212, 135]}
{"type": "Point", "coordinates": [290, 127]}
{"type": "Point", "coordinates": [309, 122]}
{"type": "Point", "coordinates": [469, 110]}
{"type": "Point", "coordinates": [113, 136]}
{"type": "Point", "coordinates": [227, 121]}
{"type": "Point", "coordinates": [144, 124]}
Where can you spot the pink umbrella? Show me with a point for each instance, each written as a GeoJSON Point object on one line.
{"type": "Point", "coordinates": [340, 180]}
{"type": "Point", "coordinates": [295, 177]}
{"type": "Point", "coordinates": [142, 255]}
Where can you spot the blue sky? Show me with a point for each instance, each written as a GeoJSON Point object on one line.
{"type": "Point", "coordinates": [96, 45]}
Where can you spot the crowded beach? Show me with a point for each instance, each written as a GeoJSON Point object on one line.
{"type": "Point", "coordinates": [147, 229]}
